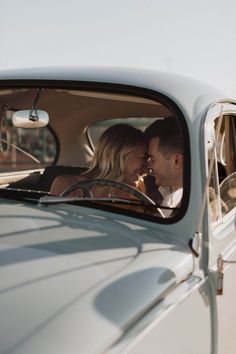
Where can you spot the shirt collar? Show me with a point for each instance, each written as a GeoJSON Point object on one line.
{"type": "Point", "coordinates": [170, 199]}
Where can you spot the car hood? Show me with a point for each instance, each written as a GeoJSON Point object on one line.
{"type": "Point", "coordinates": [73, 279]}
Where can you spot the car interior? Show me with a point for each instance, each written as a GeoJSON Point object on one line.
{"type": "Point", "coordinates": [31, 158]}
{"type": "Point", "coordinates": [222, 181]}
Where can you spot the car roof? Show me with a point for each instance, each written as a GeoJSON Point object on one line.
{"type": "Point", "coordinates": [192, 96]}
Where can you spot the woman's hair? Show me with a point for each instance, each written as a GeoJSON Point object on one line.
{"type": "Point", "coordinates": [113, 150]}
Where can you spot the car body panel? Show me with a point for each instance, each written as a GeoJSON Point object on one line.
{"type": "Point", "coordinates": [90, 268]}
{"type": "Point", "coordinates": [169, 327]}
{"type": "Point", "coordinates": [77, 279]}
{"type": "Point", "coordinates": [191, 95]}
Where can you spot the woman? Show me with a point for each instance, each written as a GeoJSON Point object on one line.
{"type": "Point", "coordinates": [120, 156]}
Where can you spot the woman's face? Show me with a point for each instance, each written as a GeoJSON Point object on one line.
{"type": "Point", "coordinates": [135, 165]}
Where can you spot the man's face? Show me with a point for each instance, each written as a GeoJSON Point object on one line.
{"type": "Point", "coordinates": [167, 168]}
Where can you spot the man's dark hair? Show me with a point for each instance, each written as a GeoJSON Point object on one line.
{"type": "Point", "coordinates": [169, 133]}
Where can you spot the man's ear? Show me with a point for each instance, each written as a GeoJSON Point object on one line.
{"type": "Point", "coordinates": [177, 160]}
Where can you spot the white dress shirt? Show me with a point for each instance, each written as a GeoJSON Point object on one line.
{"type": "Point", "coordinates": [170, 199]}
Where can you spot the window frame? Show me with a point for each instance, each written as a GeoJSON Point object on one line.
{"type": "Point", "coordinates": [146, 93]}
{"type": "Point", "coordinates": [228, 112]}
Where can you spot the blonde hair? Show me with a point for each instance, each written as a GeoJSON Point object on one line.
{"type": "Point", "coordinates": [113, 152]}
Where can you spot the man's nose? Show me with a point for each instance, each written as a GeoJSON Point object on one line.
{"type": "Point", "coordinates": [147, 167]}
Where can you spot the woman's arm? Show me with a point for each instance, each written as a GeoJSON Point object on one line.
{"type": "Point", "coordinates": [60, 183]}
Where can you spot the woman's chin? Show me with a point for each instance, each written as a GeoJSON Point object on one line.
{"type": "Point", "coordinates": [132, 182]}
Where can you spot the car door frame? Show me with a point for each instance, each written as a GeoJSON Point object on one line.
{"type": "Point", "coordinates": [220, 265]}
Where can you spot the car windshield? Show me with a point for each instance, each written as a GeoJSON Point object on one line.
{"type": "Point", "coordinates": [120, 151]}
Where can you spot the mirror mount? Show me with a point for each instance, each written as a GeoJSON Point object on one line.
{"type": "Point", "coordinates": [33, 114]}
{"type": "Point", "coordinates": [32, 118]}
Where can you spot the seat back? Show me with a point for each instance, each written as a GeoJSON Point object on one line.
{"type": "Point", "coordinates": [51, 172]}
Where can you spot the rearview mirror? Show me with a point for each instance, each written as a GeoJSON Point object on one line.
{"type": "Point", "coordinates": [30, 119]}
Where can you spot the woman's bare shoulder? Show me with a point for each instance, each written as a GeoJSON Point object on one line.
{"type": "Point", "coordinates": [60, 183]}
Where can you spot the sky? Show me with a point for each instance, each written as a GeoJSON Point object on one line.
{"type": "Point", "coordinates": [195, 38]}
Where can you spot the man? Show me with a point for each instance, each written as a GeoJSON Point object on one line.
{"type": "Point", "coordinates": [165, 150]}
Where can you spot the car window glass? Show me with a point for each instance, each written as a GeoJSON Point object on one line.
{"type": "Point", "coordinates": [79, 117]}
{"type": "Point", "coordinates": [222, 187]}
{"type": "Point", "coordinates": [25, 149]}
{"type": "Point", "coordinates": [161, 166]}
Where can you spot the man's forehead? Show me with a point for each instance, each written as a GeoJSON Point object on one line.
{"type": "Point", "coordinates": [154, 140]}
{"type": "Point", "coordinates": [153, 144]}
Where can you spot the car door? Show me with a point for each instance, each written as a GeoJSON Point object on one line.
{"type": "Point", "coordinates": [220, 140]}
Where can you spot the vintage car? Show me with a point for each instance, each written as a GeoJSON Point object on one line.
{"type": "Point", "coordinates": [105, 275]}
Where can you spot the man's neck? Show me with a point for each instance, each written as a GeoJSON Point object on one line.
{"type": "Point", "coordinates": [176, 187]}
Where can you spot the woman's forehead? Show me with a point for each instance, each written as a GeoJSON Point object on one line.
{"type": "Point", "coordinates": [141, 149]}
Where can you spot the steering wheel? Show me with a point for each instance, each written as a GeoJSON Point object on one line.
{"type": "Point", "coordinates": [228, 192]}
{"type": "Point", "coordinates": [88, 184]}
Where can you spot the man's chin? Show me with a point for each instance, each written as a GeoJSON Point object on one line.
{"type": "Point", "coordinates": [157, 182]}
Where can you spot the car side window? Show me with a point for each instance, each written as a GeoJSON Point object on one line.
{"type": "Point", "coordinates": [26, 149]}
{"type": "Point", "coordinates": [222, 170]}
{"type": "Point", "coordinates": [95, 130]}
